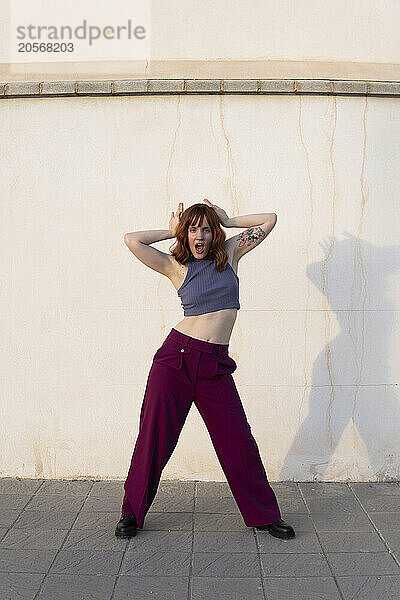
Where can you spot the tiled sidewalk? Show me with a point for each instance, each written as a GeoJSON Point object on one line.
{"type": "Point", "coordinates": [58, 543]}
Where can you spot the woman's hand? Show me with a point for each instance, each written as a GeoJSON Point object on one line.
{"type": "Point", "coordinates": [174, 220]}
{"type": "Point", "coordinates": [223, 217]}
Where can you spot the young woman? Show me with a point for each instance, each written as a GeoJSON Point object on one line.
{"type": "Point", "coordinates": [193, 365]}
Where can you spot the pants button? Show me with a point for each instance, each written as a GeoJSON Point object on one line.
{"type": "Point", "coordinates": [182, 349]}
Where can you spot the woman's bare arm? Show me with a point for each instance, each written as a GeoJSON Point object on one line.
{"type": "Point", "coordinates": [149, 237]}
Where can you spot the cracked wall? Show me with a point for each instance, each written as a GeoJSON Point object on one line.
{"type": "Point", "coordinates": [317, 338]}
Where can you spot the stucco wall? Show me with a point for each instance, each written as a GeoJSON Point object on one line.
{"type": "Point", "coordinates": [250, 38]}
{"type": "Point", "coordinates": [317, 338]}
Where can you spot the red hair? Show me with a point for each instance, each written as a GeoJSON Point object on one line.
{"type": "Point", "coordinates": [191, 216]}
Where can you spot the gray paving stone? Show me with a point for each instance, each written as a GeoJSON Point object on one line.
{"type": "Point", "coordinates": [389, 503]}
{"type": "Point", "coordinates": [77, 587]}
{"type": "Point", "coordinates": [226, 564]}
{"type": "Point", "coordinates": [295, 565]}
{"type": "Point", "coordinates": [107, 488]}
{"type": "Point", "coordinates": [219, 522]}
{"type": "Point", "coordinates": [233, 588]}
{"type": "Point", "coordinates": [156, 562]}
{"type": "Point", "coordinates": [146, 588]}
{"type": "Point", "coordinates": [285, 489]}
{"type": "Point", "coordinates": [95, 539]}
{"type": "Point", "coordinates": [168, 521]}
{"type": "Point", "coordinates": [292, 504]}
{"type": "Point", "coordinates": [384, 587]}
{"type": "Point", "coordinates": [298, 521]}
{"type": "Point", "coordinates": [42, 519]}
{"type": "Point", "coordinates": [179, 541]}
{"type": "Point", "coordinates": [11, 485]}
{"type": "Point", "coordinates": [100, 520]}
{"type": "Point", "coordinates": [213, 504]}
{"type": "Point", "coordinates": [396, 553]}
{"type": "Point", "coordinates": [225, 549]}
{"type": "Point", "coordinates": [217, 489]}
{"type": "Point", "coordinates": [87, 562]}
{"type": "Point", "coordinates": [224, 541]}
{"type": "Point", "coordinates": [367, 489]}
{"type": "Point", "coordinates": [19, 586]}
{"type": "Point", "coordinates": [305, 541]}
{"type": "Point", "coordinates": [329, 489]}
{"type": "Point", "coordinates": [14, 501]}
{"type": "Point", "coordinates": [25, 561]}
{"type": "Point", "coordinates": [351, 541]}
{"type": "Point", "coordinates": [301, 588]}
{"type": "Point", "coordinates": [65, 487]}
{"type": "Point", "coordinates": [8, 517]}
{"type": "Point", "coordinates": [96, 504]}
{"type": "Point", "coordinates": [335, 505]}
{"type": "Point", "coordinates": [324, 521]}
{"type": "Point", "coordinates": [56, 502]}
{"type": "Point", "coordinates": [178, 487]}
{"type": "Point", "coordinates": [366, 563]}
{"type": "Point", "coordinates": [34, 539]}
{"type": "Point", "coordinates": [172, 503]}
{"type": "Point", "coordinates": [386, 520]}
{"type": "Point", "coordinates": [392, 537]}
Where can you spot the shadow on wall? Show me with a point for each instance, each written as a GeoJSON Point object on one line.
{"type": "Point", "coordinates": [351, 379]}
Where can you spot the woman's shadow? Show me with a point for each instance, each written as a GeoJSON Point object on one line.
{"type": "Point", "coordinates": [353, 378]}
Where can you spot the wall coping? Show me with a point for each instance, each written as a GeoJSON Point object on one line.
{"type": "Point", "coordinates": [145, 87]}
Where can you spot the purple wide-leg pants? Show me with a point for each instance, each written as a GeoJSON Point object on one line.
{"type": "Point", "coordinates": [186, 370]}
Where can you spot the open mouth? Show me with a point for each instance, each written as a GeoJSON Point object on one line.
{"type": "Point", "coordinates": [199, 248]}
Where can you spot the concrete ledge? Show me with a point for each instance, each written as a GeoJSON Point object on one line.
{"type": "Point", "coordinates": [203, 86]}
{"type": "Point", "coordinates": [58, 87]}
{"type": "Point", "coordinates": [169, 86]}
{"type": "Point", "coordinates": [239, 86]}
{"type": "Point", "coordinates": [147, 87]}
{"type": "Point", "coordinates": [271, 86]}
{"type": "Point", "coordinates": [383, 88]}
{"type": "Point", "coordinates": [130, 86]}
{"type": "Point", "coordinates": [93, 87]}
{"type": "Point", "coordinates": [22, 88]}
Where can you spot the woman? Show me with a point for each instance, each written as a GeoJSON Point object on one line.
{"type": "Point", "coordinates": [193, 365]}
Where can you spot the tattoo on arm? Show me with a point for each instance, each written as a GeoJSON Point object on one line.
{"type": "Point", "coordinates": [253, 234]}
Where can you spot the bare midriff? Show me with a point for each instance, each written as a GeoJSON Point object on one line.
{"type": "Point", "coordinates": [215, 327]}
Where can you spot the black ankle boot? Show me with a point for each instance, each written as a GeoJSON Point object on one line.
{"type": "Point", "coordinates": [126, 526]}
{"type": "Point", "coordinates": [279, 529]}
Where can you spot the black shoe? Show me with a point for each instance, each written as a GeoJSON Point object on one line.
{"type": "Point", "coordinates": [279, 529]}
{"type": "Point", "coordinates": [126, 526]}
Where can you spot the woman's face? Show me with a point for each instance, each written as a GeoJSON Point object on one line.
{"type": "Point", "coordinates": [200, 233]}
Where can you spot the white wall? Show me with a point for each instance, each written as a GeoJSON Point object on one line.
{"type": "Point", "coordinates": [250, 38]}
{"type": "Point", "coordinates": [82, 318]}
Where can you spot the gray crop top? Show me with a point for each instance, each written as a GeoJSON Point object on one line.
{"type": "Point", "coordinates": [205, 290]}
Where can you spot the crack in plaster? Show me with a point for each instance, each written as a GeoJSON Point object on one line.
{"type": "Point", "coordinates": [358, 261]}
{"type": "Point", "coordinates": [305, 385]}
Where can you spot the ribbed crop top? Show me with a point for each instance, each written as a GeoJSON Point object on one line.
{"type": "Point", "coordinates": [205, 290]}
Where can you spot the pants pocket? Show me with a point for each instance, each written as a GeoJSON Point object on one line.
{"type": "Point", "coordinates": [224, 365]}
{"type": "Point", "coordinates": [171, 354]}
